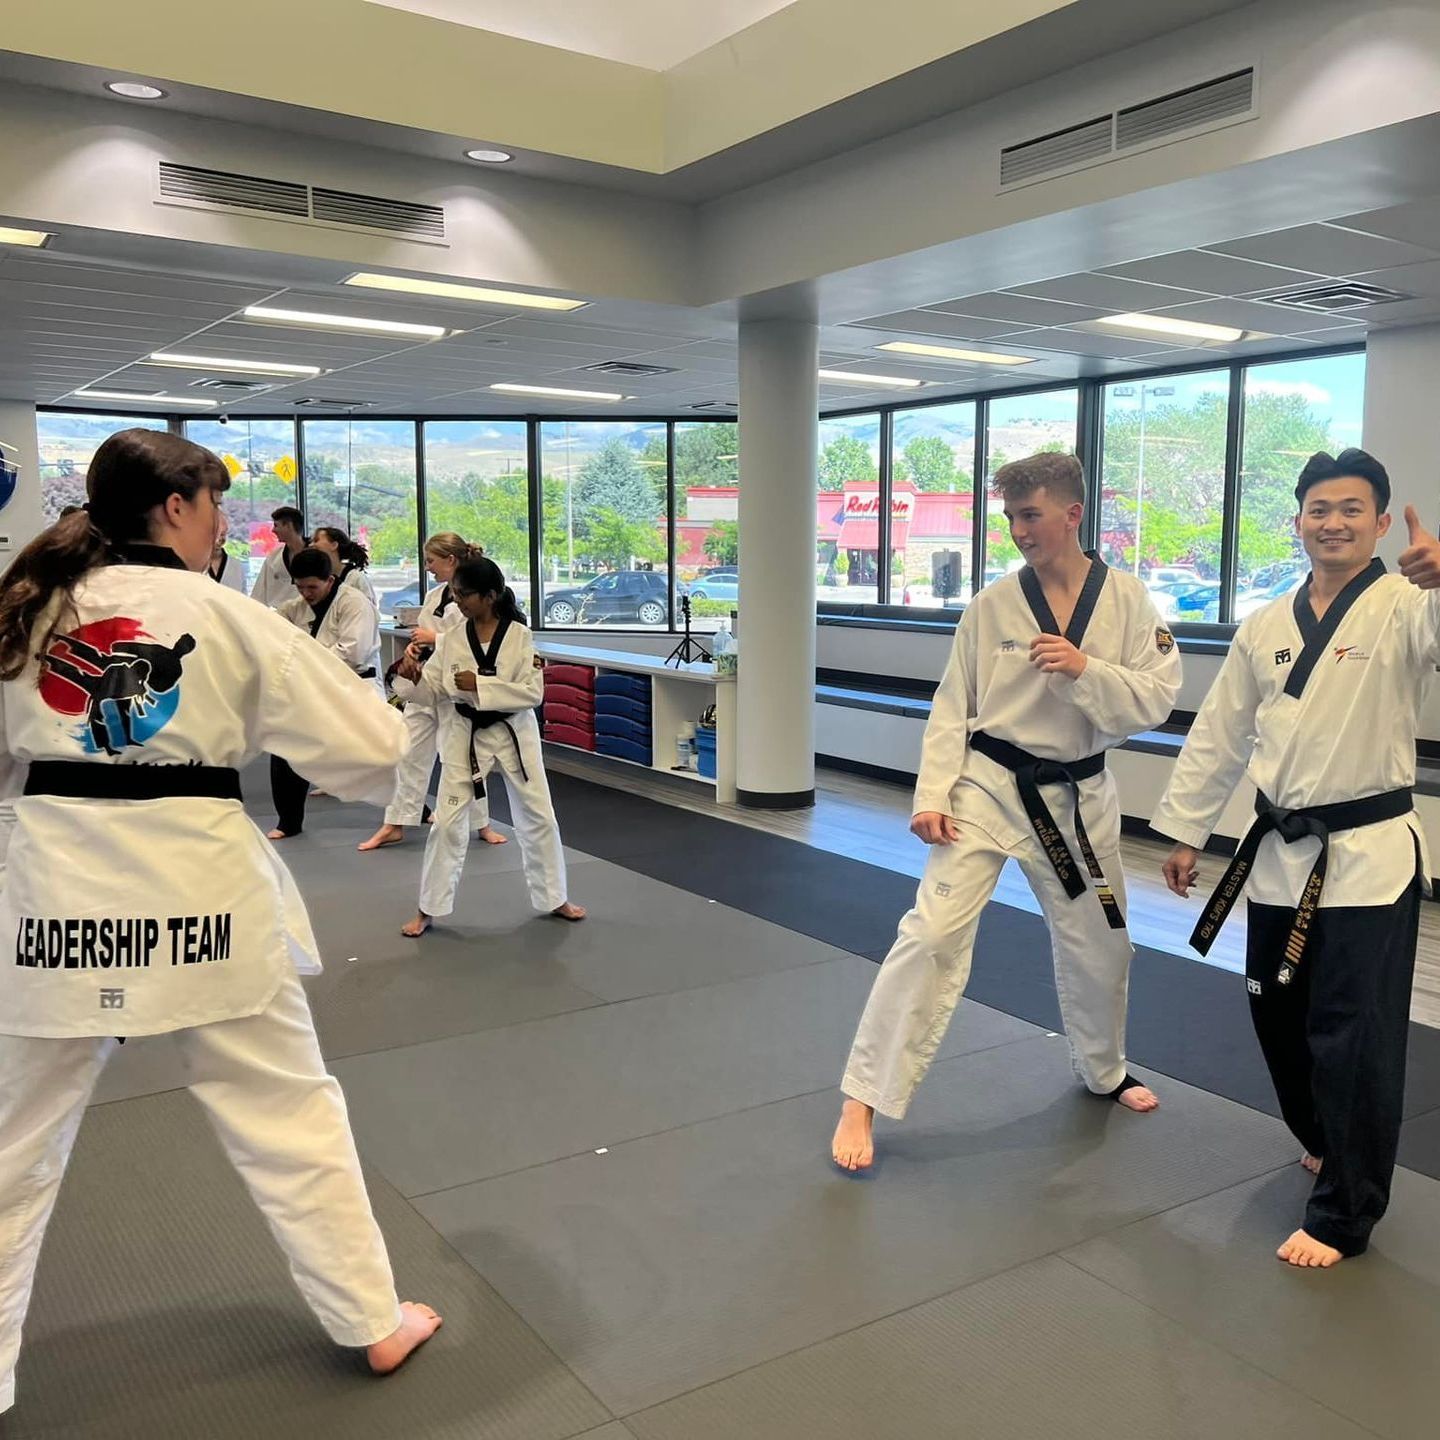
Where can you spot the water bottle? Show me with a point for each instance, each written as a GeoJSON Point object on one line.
{"type": "Point", "coordinates": [724, 650]}
{"type": "Point", "coordinates": [685, 747]}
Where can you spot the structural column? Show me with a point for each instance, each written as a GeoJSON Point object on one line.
{"type": "Point", "coordinates": [1402, 425]}
{"type": "Point", "coordinates": [22, 517]}
{"type": "Point", "coordinates": [779, 442]}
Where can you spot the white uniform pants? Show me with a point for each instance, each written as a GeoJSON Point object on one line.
{"type": "Point", "coordinates": [412, 780]}
{"type": "Point", "coordinates": [925, 973]}
{"type": "Point", "coordinates": [282, 1121]}
{"type": "Point", "coordinates": [531, 813]}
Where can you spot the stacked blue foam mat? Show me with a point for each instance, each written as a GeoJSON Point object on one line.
{"type": "Point", "coordinates": [622, 718]}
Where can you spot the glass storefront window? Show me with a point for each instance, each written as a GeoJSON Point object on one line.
{"type": "Point", "coordinates": [67, 439]}
{"type": "Point", "coordinates": [707, 518]}
{"type": "Point", "coordinates": [932, 511]}
{"type": "Point", "coordinates": [847, 532]}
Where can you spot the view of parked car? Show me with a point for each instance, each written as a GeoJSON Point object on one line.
{"type": "Point", "coordinates": [617, 598]}
{"type": "Point", "coordinates": [717, 585]}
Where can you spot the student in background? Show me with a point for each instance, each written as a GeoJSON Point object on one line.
{"type": "Point", "coordinates": [349, 557]}
{"type": "Point", "coordinates": [224, 567]}
{"type": "Point", "coordinates": [273, 585]}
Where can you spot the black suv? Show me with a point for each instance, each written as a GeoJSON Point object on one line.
{"type": "Point", "coordinates": [637, 596]}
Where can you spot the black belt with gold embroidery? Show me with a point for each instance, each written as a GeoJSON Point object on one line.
{"type": "Point", "coordinates": [1033, 771]}
{"type": "Point", "coordinates": [1321, 821]}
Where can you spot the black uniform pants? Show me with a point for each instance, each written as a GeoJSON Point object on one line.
{"type": "Point", "coordinates": [1335, 1039]}
{"type": "Point", "coordinates": [289, 791]}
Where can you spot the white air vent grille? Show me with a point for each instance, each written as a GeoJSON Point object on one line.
{"type": "Point", "coordinates": [1189, 109]}
{"type": "Point", "coordinates": [325, 402]}
{"type": "Point", "coordinates": [628, 367]}
{"type": "Point", "coordinates": [202, 189]}
{"type": "Point", "coordinates": [236, 385]}
{"type": "Point", "coordinates": [368, 212]}
{"type": "Point", "coordinates": [1060, 151]}
{"type": "Point", "coordinates": [714, 405]}
{"type": "Point", "coordinates": [233, 192]}
{"type": "Point", "coordinates": [1350, 295]}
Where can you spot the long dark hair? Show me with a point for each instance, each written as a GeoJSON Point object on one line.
{"type": "Point", "coordinates": [131, 473]}
{"type": "Point", "coordinates": [352, 552]}
{"type": "Point", "coordinates": [484, 577]}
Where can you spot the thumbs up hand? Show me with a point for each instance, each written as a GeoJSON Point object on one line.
{"type": "Point", "coordinates": [1420, 561]}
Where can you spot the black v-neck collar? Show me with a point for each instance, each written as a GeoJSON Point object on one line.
{"type": "Point", "coordinates": [1316, 634]}
{"type": "Point", "coordinates": [320, 611]}
{"type": "Point", "coordinates": [1034, 593]}
{"type": "Point", "coordinates": [486, 657]}
{"type": "Point", "coordinates": [446, 600]}
{"type": "Point", "coordinates": [136, 553]}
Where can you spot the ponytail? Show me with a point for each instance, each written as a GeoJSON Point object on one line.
{"type": "Point", "coordinates": [351, 552]}
{"type": "Point", "coordinates": [484, 577]}
{"type": "Point", "coordinates": [450, 546]}
{"type": "Point", "coordinates": [131, 474]}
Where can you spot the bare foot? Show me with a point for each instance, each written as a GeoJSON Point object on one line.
{"type": "Point", "coordinates": [853, 1147]}
{"type": "Point", "coordinates": [417, 927]}
{"type": "Point", "coordinates": [1312, 1163]}
{"type": "Point", "coordinates": [1308, 1253]}
{"type": "Point", "coordinates": [277, 835]}
{"type": "Point", "coordinates": [1139, 1098]}
{"type": "Point", "coordinates": [385, 835]}
{"type": "Point", "coordinates": [417, 1324]}
{"type": "Point", "coordinates": [318, 791]}
{"type": "Point", "coordinates": [567, 911]}
{"type": "Point", "coordinates": [493, 837]}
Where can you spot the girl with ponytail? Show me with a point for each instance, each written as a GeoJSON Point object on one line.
{"type": "Point", "coordinates": [484, 681]}
{"type": "Point", "coordinates": [349, 558]}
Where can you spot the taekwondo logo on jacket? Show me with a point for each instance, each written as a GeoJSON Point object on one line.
{"type": "Point", "coordinates": [119, 681]}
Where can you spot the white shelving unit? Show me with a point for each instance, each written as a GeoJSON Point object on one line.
{"type": "Point", "coordinates": [677, 695]}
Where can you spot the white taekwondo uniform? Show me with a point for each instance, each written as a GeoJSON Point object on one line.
{"type": "Point", "coordinates": [273, 585]}
{"type": "Point", "coordinates": [232, 573]}
{"type": "Point", "coordinates": [357, 579]}
{"type": "Point", "coordinates": [439, 613]}
{"type": "Point", "coordinates": [469, 753]}
{"type": "Point", "coordinates": [1321, 713]}
{"type": "Point", "coordinates": [139, 898]}
{"type": "Point", "coordinates": [349, 628]}
{"type": "Point", "coordinates": [990, 688]}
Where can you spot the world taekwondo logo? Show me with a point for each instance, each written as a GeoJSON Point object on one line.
{"type": "Point", "coordinates": [122, 684]}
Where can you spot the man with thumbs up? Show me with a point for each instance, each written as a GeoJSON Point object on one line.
{"type": "Point", "coordinates": [1318, 704]}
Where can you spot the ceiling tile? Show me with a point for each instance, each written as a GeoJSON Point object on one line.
{"type": "Point", "coordinates": [1214, 274]}
{"type": "Point", "coordinates": [1017, 310]}
{"type": "Point", "coordinates": [1242, 315]}
{"type": "Point", "coordinates": [933, 322]}
{"type": "Point", "coordinates": [1076, 342]}
{"type": "Point", "coordinates": [1326, 249]}
{"type": "Point", "coordinates": [1110, 294]}
{"type": "Point", "coordinates": [1415, 224]}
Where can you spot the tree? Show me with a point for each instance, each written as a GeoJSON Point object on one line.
{"type": "Point", "coordinates": [615, 541]}
{"type": "Point", "coordinates": [722, 544]}
{"type": "Point", "coordinates": [846, 458]}
{"type": "Point", "coordinates": [610, 480]}
{"type": "Point", "coordinates": [928, 463]}
{"type": "Point", "coordinates": [653, 459]}
{"type": "Point", "coordinates": [706, 456]}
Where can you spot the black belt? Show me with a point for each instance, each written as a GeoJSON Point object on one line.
{"type": "Point", "coordinates": [1033, 771]}
{"type": "Point", "coordinates": [80, 780]}
{"type": "Point", "coordinates": [483, 720]}
{"type": "Point", "coordinates": [1321, 821]}
{"type": "Point", "coordinates": [367, 674]}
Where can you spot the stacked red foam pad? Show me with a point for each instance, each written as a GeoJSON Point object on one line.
{"type": "Point", "coordinates": [570, 705]}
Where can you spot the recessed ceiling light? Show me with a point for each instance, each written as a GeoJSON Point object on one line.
{"type": "Point", "coordinates": [133, 90]}
{"type": "Point", "coordinates": [950, 352]}
{"type": "Point", "coordinates": [131, 398]}
{"type": "Point", "coordinates": [556, 390]}
{"type": "Point", "coordinates": [242, 367]}
{"type": "Point", "coordinates": [856, 377]}
{"type": "Point", "coordinates": [450, 291]}
{"type": "Point", "coordinates": [32, 238]}
{"type": "Point", "coordinates": [489, 157]}
{"type": "Point", "coordinates": [314, 320]}
{"type": "Point", "coordinates": [1171, 325]}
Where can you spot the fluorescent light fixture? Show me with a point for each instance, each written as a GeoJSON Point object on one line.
{"type": "Point", "coordinates": [857, 377]}
{"type": "Point", "coordinates": [556, 390]}
{"type": "Point", "coordinates": [951, 352]}
{"type": "Point", "coordinates": [133, 90]}
{"type": "Point", "coordinates": [314, 320]}
{"type": "Point", "coordinates": [489, 157]}
{"type": "Point", "coordinates": [240, 367]}
{"type": "Point", "coordinates": [1171, 325]}
{"type": "Point", "coordinates": [450, 291]}
{"type": "Point", "coordinates": [33, 238]}
{"type": "Point", "coordinates": [131, 398]}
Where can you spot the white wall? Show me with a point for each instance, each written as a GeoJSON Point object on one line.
{"type": "Point", "coordinates": [20, 520]}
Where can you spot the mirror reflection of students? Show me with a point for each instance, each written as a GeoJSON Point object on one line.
{"type": "Point", "coordinates": [485, 681]}
{"type": "Point", "coordinates": [345, 623]}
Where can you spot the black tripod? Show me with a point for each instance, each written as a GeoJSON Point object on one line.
{"type": "Point", "coordinates": [688, 650]}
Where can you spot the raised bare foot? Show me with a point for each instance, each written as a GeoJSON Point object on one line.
{"type": "Point", "coordinates": [385, 835]}
{"type": "Point", "coordinates": [1308, 1253]}
{"type": "Point", "coordinates": [1139, 1098]}
{"type": "Point", "coordinates": [417, 927]}
{"type": "Point", "coordinates": [1312, 1163]}
{"type": "Point", "coordinates": [278, 834]}
{"type": "Point", "coordinates": [853, 1147]}
{"type": "Point", "coordinates": [567, 911]}
{"type": "Point", "coordinates": [493, 837]}
{"type": "Point", "coordinates": [417, 1324]}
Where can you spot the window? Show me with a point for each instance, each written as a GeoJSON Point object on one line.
{"type": "Point", "coordinates": [1017, 426]}
{"type": "Point", "coordinates": [360, 477]}
{"type": "Point", "coordinates": [604, 512]}
{"type": "Point", "coordinates": [932, 508]}
{"type": "Point", "coordinates": [847, 534]}
{"type": "Point", "coordinates": [260, 456]}
{"type": "Point", "coordinates": [1162, 487]}
{"type": "Point", "coordinates": [477, 483]}
{"type": "Point", "coordinates": [707, 525]}
{"type": "Point", "coordinates": [67, 440]}
{"type": "Point", "coordinates": [1292, 409]}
